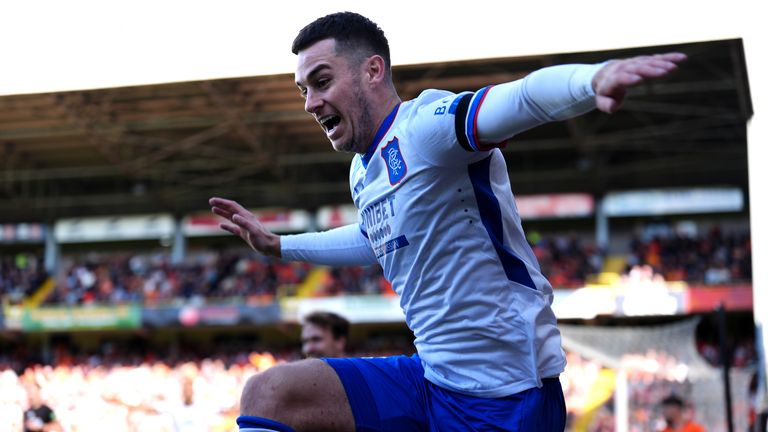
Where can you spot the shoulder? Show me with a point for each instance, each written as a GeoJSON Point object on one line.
{"type": "Point", "coordinates": [430, 98]}
{"type": "Point", "coordinates": [428, 111]}
{"type": "Point", "coordinates": [431, 121]}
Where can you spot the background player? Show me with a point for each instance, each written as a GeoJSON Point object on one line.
{"type": "Point", "coordinates": [324, 334]}
{"type": "Point", "coordinates": [676, 418]}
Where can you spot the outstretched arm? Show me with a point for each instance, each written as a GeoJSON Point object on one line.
{"type": "Point", "coordinates": [342, 246]}
{"type": "Point", "coordinates": [560, 92]}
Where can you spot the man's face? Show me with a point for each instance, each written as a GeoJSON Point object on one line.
{"type": "Point", "coordinates": [334, 95]}
{"type": "Point", "coordinates": [318, 341]}
{"type": "Point", "coordinates": [672, 414]}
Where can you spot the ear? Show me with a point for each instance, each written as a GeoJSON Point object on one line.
{"type": "Point", "coordinates": [375, 69]}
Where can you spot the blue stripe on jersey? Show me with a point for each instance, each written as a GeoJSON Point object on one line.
{"type": "Point", "coordinates": [490, 214]}
{"type": "Point", "coordinates": [460, 120]}
{"type": "Point", "coordinates": [471, 120]}
{"type": "Point", "coordinates": [365, 233]}
{"type": "Point", "coordinates": [455, 103]}
{"type": "Point", "coordinates": [391, 246]}
{"type": "Point", "coordinates": [383, 129]}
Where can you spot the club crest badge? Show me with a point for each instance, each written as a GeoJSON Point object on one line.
{"type": "Point", "coordinates": [393, 158]}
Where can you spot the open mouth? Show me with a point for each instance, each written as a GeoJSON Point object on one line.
{"type": "Point", "coordinates": [329, 123]}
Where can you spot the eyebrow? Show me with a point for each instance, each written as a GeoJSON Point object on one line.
{"type": "Point", "coordinates": [319, 68]}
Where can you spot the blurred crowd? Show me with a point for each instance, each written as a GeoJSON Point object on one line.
{"type": "Point", "coordinates": [590, 392]}
{"type": "Point", "coordinates": [566, 260]}
{"type": "Point", "coordinates": [714, 258]}
{"type": "Point", "coordinates": [129, 386]}
{"type": "Point", "coordinates": [157, 396]}
{"type": "Point", "coordinates": [116, 278]}
{"type": "Point", "coordinates": [20, 275]}
{"type": "Point", "coordinates": [152, 279]}
{"type": "Point", "coordinates": [211, 276]}
{"type": "Point", "coordinates": [188, 392]}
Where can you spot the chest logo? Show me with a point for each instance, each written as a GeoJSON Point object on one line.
{"type": "Point", "coordinates": [393, 158]}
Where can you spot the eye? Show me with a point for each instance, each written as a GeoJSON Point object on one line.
{"type": "Point", "coordinates": [323, 82]}
{"type": "Point", "coordinates": [303, 92]}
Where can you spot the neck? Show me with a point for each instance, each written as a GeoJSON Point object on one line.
{"type": "Point", "coordinates": [382, 110]}
{"type": "Point", "coordinates": [386, 107]}
{"type": "Point", "coordinates": [392, 101]}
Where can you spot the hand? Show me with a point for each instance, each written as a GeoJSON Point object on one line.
{"type": "Point", "coordinates": [243, 223]}
{"type": "Point", "coordinates": [612, 80]}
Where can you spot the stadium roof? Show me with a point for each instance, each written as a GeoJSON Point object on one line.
{"type": "Point", "coordinates": [169, 147]}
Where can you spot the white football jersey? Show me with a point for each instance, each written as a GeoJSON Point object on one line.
{"type": "Point", "coordinates": [438, 210]}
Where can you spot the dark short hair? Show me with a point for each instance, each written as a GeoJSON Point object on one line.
{"type": "Point", "coordinates": [673, 400]}
{"type": "Point", "coordinates": [354, 34]}
{"type": "Point", "coordinates": [337, 324]}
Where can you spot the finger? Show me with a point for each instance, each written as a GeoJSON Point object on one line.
{"type": "Point", "coordinates": [245, 224]}
{"type": "Point", "coordinates": [214, 201]}
{"type": "Point", "coordinates": [226, 205]}
{"type": "Point", "coordinates": [653, 71]}
{"type": "Point", "coordinates": [675, 57]}
{"type": "Point", "coordinates": [232, 228]}
{"type": "Point", "coordinates": [618, 82]}
{"type": "Point", "coordinates": [662, 60]}
{"type": "Point", "coordinates": [656, 63]}
{"type": "Point", "coordinates": [659, 62]}
{"type": "Point", "coordinates": [221, 212]}
{"type": "Point", "coordinates": [651, 67]}
{"type": "Point", "coordinates": [646, 67]}
{"type": "Point", "coordinates": [608, 105]}
{"type": "Point", "coordinates": [229, 205]}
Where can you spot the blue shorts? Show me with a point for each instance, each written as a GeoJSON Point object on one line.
{"type": "Point", "coordinates": [391, 394]}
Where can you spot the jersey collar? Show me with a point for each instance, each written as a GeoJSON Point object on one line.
{"type": "Point", "coordinates": [383, 129]}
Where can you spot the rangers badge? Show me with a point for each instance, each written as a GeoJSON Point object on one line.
{"type": "Point", "coordinates": [393, 158]}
